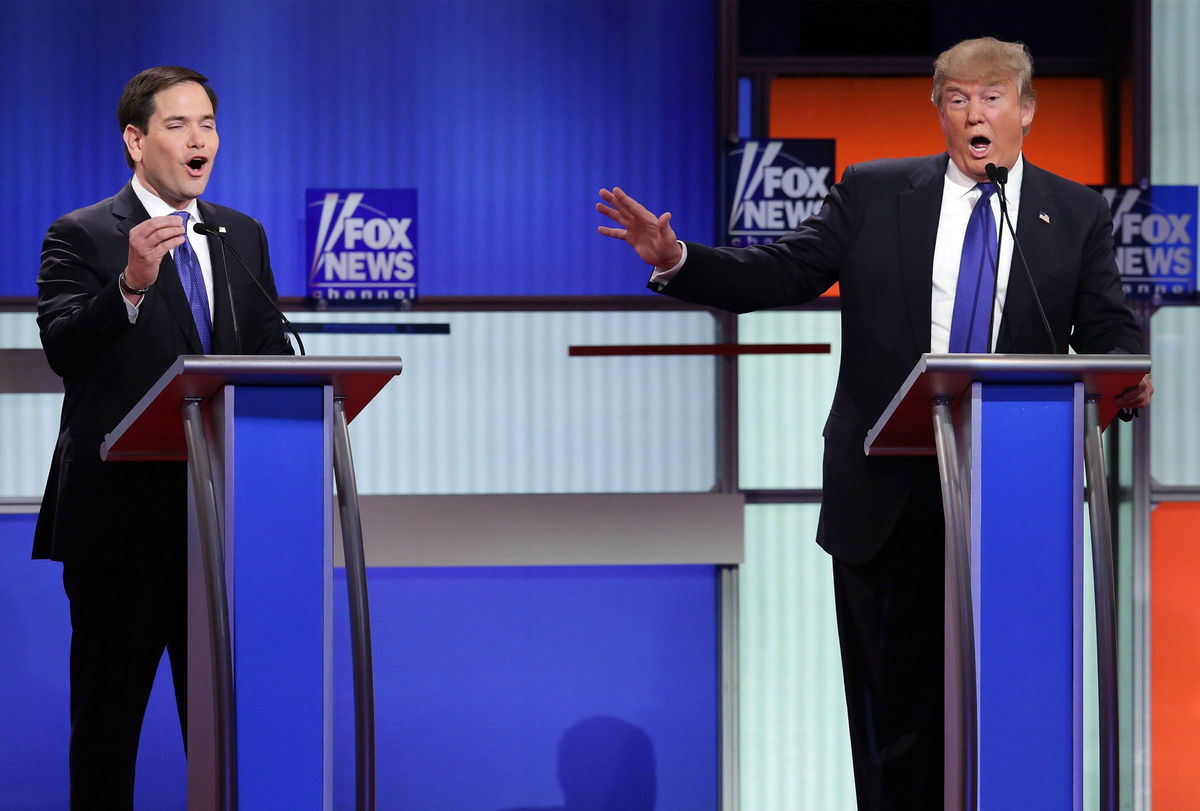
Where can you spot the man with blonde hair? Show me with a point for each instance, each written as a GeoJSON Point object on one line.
{"type": "Point", "coordinates": [915, 258]}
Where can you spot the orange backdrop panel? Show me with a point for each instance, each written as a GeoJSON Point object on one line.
{"type": "Point", "coordinates": [1175, 655]}
{"type": "Point", "coordinates": [893, 118]}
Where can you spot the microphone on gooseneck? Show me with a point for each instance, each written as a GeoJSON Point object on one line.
{"type": "Point", "coordinates": [218, 231]}
{"type": "Point", "coordinates": [999, 176]}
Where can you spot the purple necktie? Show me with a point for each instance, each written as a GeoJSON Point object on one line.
{"type": "Point", "coordinates": [971, 325]}
{"type": "Point", "coordinates": [193, 286]}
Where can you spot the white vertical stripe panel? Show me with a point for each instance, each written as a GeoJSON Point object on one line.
{"type": "Point", "coordinates": [497, 406]}
{"type": "Point", "coordinates": [795, 744]}
{"type": "Point", "coordinates": [28, 422]}
{"type": "Point", "coordinates": [1174, 160]}
{"type": "Point", "coordinates": [19, 331]}
{"type": "Point", "coordinates": [784, 399]}
{"type": "Point", "coordinates": [1175, 430]}
{"type": "Point", "coordinates": [1174, 114]}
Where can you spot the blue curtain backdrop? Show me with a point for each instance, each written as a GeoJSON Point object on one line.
{"type": "Point", "coordinates": [505, 116]}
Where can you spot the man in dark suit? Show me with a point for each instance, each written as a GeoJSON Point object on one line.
{"type": "Point", "coordinates": [124, 288]}
{"type": "Point", "coordinates": [892, 234]}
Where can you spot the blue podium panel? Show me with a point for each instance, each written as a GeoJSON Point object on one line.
{"type": "Point", "coordinates": [280, 559]}
{"type": "Point", "coordinates": [1028, 482]}
{"type": "Point", "coordinates": [521, 688]}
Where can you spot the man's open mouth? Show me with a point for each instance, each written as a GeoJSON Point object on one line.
{"type": "Point", "coordinates": [196, 165]}
{"type": "Point", "coordinates": [980, 145]}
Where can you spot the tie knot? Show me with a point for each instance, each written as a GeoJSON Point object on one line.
{"type": "Point", "coordinates": [183, 215]}
{"type": "Point", "coordinates": [987, 190]}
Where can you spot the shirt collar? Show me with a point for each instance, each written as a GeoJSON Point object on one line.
{"type": "Point", "coordinates": [956, 179]}
{"type": "Point", "coordinates": [156, 207]}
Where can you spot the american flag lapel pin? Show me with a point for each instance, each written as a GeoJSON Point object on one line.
{"type": "Point", "coordinates": [1044, 217]}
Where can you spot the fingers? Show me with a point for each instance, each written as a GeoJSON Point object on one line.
{"type": "Point", "coordinates": [153, 233]}
{"type": "Point", "coordinates": [610, 213]}
{"type": "Point", "coordinates": [626, 205]}
{"type": "Point", "coordinates": [149, 241]}
{"type": "Point", "coordinates": [615, 233]}
{"type": "Point", "coordinates": [1138, 396]}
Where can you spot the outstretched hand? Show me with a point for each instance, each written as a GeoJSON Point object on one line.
{"type": "Point", "coordinates": [652, 237]}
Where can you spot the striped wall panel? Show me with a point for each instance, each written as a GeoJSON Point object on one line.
{"type": "Point", "coordinates": [784, 399]}
{"type": "Point", "coordinates": [1175, 120]}
{"type": "Point", "coordinates": [1175, 428]}
{"type": "Point", "coordinates": [496, 406]}
{"type": "Point", "coordinates": [795, 747]}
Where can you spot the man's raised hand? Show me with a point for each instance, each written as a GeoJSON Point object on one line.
{"type": "Point", "coordinates": [652, 237]}
{"type": "Point", "coordinates": [149, 241]}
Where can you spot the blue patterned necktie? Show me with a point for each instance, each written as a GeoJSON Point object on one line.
{"type": "Point", "coordinates": [193, 286]}
{"type": "Point", "coordinates": [971, 323]}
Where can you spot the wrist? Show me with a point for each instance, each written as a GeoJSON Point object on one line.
{"type": "Point", "coordinates": [130, 289]}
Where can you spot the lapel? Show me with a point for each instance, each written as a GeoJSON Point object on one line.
{"type": "Point", "coordinates": [224, 342]}
{"type": "Point", "coordinates": [918, 208]}
{"type": "Point", "coordinates": [129, 212]}
{"type": "Point", "coordinates": [1036, 236]}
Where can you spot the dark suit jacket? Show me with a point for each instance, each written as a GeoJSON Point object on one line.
{"type": "Point", "coordinates": [875, 235]}
{"type": "Point", "coordinates": [97, 511]}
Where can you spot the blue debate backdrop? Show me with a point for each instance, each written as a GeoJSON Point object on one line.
{"type": "Point", "coordinates": [506, 117]}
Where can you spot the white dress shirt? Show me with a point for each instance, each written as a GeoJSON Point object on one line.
{"type": "Point", "coordinates": [959, 196]}
{"type": "Point", "coordinates": [156, 207]}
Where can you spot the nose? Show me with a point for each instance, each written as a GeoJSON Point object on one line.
{"type": "Point", "coordinates": [196, 137]}
{"type": "Point", "coordinates": [974, 111]}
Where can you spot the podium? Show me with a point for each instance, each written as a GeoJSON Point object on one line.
{"type": "Point", "coordinates": [1015, 436]}
{"type": "Point", "coordinates": [265, 437]}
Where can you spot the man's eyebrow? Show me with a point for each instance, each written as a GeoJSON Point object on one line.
{"type": "Point", "coordinates": [184, 118]}
{"type": "Point", "coordinates": [998, 84]}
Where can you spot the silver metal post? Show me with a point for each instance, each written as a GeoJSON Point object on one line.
{"type": "Point", "coordinates": [360, 619]}
{"type": "Point", "coordinates": [1140, 792]}
{"type": "Point", "coordinates": [1106, 606]}
{"type": "Point", "coordinates": [730, 691]}
{"type": "Point", "coordinates": [960, 613]}
{"type": "Point", "coordinates": [213, 558]}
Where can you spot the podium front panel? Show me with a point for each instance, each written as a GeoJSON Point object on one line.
{"type": "Point", "coordinates": [1027, 533]}
{"type": "Point", "coordinates": [280, 554]}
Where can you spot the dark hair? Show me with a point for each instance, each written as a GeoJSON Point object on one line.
{"type": "Point", "coordinates": [137, 99]}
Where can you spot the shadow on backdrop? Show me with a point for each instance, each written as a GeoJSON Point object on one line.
{"type": "Point", "coordinates": [604, 764]}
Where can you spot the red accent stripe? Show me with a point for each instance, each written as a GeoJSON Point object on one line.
{"type": "Point", "coordinates": [699, 349]}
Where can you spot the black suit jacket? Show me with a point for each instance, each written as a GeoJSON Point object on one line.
{"type": "Point", "coordinates": [875, 235]}
{"type": "Point", "coordinates": [95, 511]}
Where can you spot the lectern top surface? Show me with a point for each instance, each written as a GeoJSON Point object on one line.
{"type": "Point", "coordinates": [906, 427]}
{"type": "Point", "coordinates": [153, 429]}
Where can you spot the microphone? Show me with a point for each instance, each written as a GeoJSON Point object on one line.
{"type": "Point", "coordinates": [215, 230]}
{"type": "Point", "coordinates": [218, 231]}
{"type": "Point", "coordinates": [999, 176]}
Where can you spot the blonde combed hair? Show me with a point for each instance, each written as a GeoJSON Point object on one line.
{"type": "Point", "coordinates": [985, 60]}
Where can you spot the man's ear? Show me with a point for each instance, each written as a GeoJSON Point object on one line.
{"type": "Point", "coordinates": [1028, 108]}
{"type": "Point", "coordinates": [133, 141]}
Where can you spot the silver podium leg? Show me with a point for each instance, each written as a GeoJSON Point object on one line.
{"type": "Point", "coordinates": [961, 724]}
{"type": "Point", "coordinates": [213, 559]}
{"type": "Point", "coordinates": [360, 619]}
{"type": "Point", "coordinates": [1106, 606]}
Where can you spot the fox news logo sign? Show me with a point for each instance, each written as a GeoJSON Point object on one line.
{"type": "Point", "coordinates": [1155, 235]}
{"type": "Point", "coordinates": [773, 186]}
{"type": "Point", "coordinates": [362, 245]}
